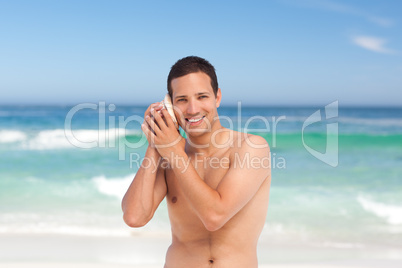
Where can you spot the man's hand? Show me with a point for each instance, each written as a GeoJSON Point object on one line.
{"type": "Point", "coordinates": [157, 106]}
{"type": "Point", "coordinates": [162, 133]}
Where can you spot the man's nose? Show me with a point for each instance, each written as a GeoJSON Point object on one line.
{"type": "Point", "coordinates": [192, 107]}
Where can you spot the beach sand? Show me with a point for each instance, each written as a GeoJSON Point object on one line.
{"type": "Point", "coordinates": [148, 251]}
{"type": "Point", "coordinates": [100, 265]}
{"type": "Point", "coordinates": [86, 265]}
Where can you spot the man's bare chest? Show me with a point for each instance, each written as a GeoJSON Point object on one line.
{"type": "Point", "coordinates": [184, 221]}
{"type": "Point", "coordinates": [211, 169]}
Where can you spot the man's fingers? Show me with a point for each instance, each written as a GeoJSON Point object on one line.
{"type": "Point", "coordinates": [159, 120]}
{"type": "Point", "coordinates": [151, 123]}
{"type": "Point", "coordinates": [167, 117]}
{"type": "Point", "coordinates": [149, 134]}
{"type": "Point", "coordinates": [145, 129]}
{"type": "Point", "coordinates": [156, 106]}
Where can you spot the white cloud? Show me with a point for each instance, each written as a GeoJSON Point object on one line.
{"type": "Point", "coordinates": [381, 21]}
{"type": "Point", "coordinates": [343, 9]}
{"type": "Point", "coordinates": [372, 43]}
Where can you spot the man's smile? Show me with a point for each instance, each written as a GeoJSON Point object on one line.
{"type": "Point", "coordinates": [193, 121]}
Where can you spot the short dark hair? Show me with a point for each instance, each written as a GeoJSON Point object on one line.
{"type": "Point", "coordinates": [192, 64]}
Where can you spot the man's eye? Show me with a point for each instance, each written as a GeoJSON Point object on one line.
{"type": "Point", "coordinates": [202, 97]}
{"type": "Point", "coordinates": [181, 100]}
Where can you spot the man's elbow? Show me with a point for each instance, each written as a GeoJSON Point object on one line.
{"type": "Point", "coordinates": [134, 221]}
{"type": "Point", "coordinates": [214, 222]}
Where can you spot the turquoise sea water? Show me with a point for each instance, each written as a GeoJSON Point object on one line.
{"type": "Point", "coordinates": [53, 180]}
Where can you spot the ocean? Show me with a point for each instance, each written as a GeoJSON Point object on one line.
{"type": "Point", "coordinates": [336, 171]}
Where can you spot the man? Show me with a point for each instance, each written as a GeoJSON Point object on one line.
{"type": "Point", "coordinates": [216, 181]}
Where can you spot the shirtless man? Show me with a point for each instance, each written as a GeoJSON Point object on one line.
{"type": "Point", "coordinates": [216, 181]}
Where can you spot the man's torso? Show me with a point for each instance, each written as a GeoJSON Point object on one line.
{"type": "Point", "coordinates": [233, 245]}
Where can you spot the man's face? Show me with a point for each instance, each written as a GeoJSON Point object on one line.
{"type": "Point", "coordinates": [195, 103]}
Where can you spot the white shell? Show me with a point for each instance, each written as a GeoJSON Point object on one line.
{"type": "Point", "coordinates": [167, 102]}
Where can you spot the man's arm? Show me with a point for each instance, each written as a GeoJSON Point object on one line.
{"type": "Point", "coordinates": [148, 188]}
{"type": "Point", "coordinates": [146, 191]}
{"type": "Point", "coordinates": [249, 168]}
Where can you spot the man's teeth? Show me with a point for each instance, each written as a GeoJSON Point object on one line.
{"type": "Point", "coordinates": [195, 120]}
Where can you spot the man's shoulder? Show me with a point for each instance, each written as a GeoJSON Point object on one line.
{"type": "Point", "coordinates": [244, 140]}
{"type": "Point", "coordinates": [251, 155]}
{"type": "Point", "coordinates": [249, 143]}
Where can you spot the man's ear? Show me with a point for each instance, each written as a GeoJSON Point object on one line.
{"type": "Point", "coordinates": [218, 98]}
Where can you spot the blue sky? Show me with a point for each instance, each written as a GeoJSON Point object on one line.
{"type": "Point", "coordinates": [278, 52]}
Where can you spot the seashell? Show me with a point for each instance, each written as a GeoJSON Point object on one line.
{"type": "Point", "coordinates": [167, 103]}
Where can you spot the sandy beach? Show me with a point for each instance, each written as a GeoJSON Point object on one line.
{"type": "Point", "coordinates": [88, 265]}
{"type": "Point", "coordinates": [101, 265]}
{"type": "Point", "coordinates": [148, 251]}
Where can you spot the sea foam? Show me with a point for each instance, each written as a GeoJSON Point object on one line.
{"type": "Point", "coordinates": [391, 213]}
{"type": "Point", "coordinates": [80, 138]}
{"type": "Point", "coordinates": [113, 186]}
{"type": "Point", "coordinates": [10, 136]}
